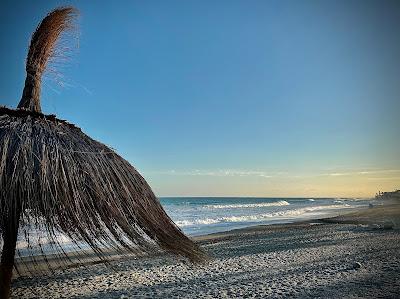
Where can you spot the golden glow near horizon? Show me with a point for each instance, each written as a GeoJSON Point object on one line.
{"type": "Point", "coordinates": [361, 183]}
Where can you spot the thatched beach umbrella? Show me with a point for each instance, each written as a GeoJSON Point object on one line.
{"type": "Point", "coordinates": [55, 178]}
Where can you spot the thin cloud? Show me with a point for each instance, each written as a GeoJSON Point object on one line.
{"type": "Point", "coordinates": [338, 174]}
{"type": "Point", "coordinates": [268, 175]}
{"type": "Point", "coordinates": [365, 172]}
{"type": "Point", "coordinates": [217, 173]}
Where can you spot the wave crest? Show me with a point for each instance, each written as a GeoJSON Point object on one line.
{"type": "Point", "coordinates": [249, 205]}
{"type": "Point", "coordinates": [260, 217]}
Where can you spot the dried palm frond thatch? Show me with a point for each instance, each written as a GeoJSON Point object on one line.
{"type": "Point", "coordinates": [55, 178]}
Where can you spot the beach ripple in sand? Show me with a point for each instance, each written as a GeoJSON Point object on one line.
{"type": "Point", "coordinates": [296, 261]}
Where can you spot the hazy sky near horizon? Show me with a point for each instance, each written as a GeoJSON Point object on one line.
{"type": "Point", "coordinates": [229, 98]}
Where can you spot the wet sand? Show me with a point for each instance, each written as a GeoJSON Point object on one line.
{"type": "Point", "coordinates": [387, 215]}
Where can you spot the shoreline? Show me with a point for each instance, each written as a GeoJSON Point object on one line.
{"type": "Point", "coordinates": [299, 260]}
{"type": "Point", "coordinates": [318, 258]}
{"type": "Point", "coordinates": [84, 258]}
{"type": "Point", "coordinates": [88, 257]}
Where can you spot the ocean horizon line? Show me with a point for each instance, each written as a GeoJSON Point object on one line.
{"type": "Point", "coordinates": [271, 197]}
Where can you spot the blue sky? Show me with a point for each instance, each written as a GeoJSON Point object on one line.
{"type": "Point", "coordinates": [235, 98]}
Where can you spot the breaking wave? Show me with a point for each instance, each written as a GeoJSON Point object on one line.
{"type": "Point", "coordinates": [249, 205]}
{"type": "Point", "coordinates": [260, 217]}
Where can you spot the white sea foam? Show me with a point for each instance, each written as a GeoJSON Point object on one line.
{"type": "Point", "coordinates": [249, 205]}
{"type": "Point", "coordinates": [43, 240]}
{"type": "Point", "coordinates": [261, 217]}
{"type": "Point", "coordinates": [183, 223]}
{"type": "Point", "coordinates": [193, 219]}
{"type": "Point", "coordinates": [311, 199]}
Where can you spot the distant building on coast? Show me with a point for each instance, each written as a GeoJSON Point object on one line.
{"type": "Point", "coordinates": [388, 195]}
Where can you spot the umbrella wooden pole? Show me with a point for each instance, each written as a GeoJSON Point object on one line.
{"type": "Point", "coordinates": [31, 95]}
{"type": "Point", "coordinates": [10, 233]}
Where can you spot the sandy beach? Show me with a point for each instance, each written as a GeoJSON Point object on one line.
{"type": "Point", "coordinates": [301, 260]}
{"type": "Point", "coordinates": [199, 149]}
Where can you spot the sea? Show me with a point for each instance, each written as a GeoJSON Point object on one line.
{"type": "Point", "coordinates": [205, 215]}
